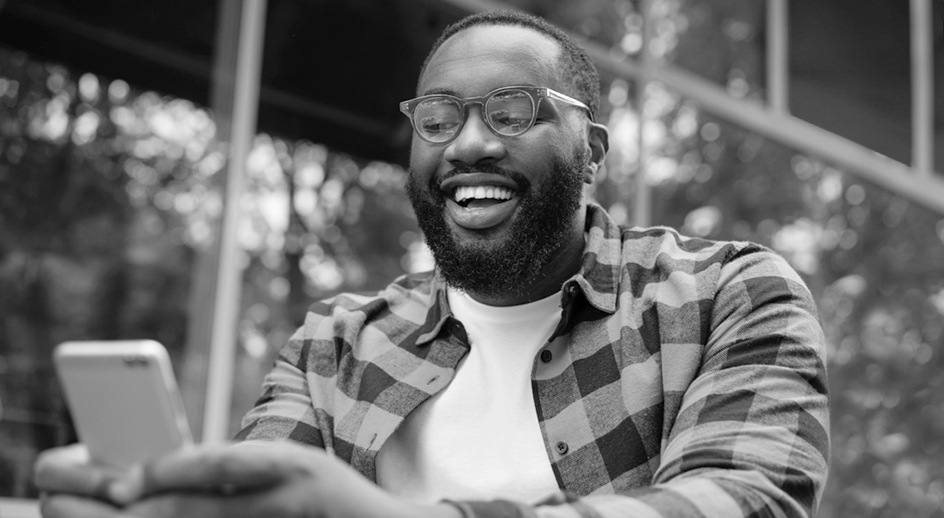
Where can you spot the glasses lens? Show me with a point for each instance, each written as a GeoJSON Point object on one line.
{"type": "Point", "coordinates": [510, 112]}
{"type": "Point", "coordinates": [437, 118]}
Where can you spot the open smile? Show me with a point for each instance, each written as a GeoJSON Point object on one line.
{"type": "Point", "coordinates": [469, 195]}
{"type": "Point", "coordinates": [479, 201]}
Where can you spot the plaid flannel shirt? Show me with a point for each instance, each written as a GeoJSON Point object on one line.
{"type": "Point", "coordinates": [686, 379]}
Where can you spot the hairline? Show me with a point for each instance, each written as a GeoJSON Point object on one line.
{"type": "Point", "coordinates": [564, 60]}
{"type": "Point", "coordinates": [559, 59]}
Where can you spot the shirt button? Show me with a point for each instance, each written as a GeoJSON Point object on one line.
{"type": "Point", "coordinates": [458, 329]}
{"type": "Point", "coordinates": [546, 356]}
{"type": "Point", "coordinates": [561, 447]}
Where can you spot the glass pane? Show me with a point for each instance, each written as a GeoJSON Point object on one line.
{"type": "Point", "coordinates": [166, 45]}
{"type": "Point", "coordinates": [105, 199]}
{"type": "Point", "coordinates": [615, 24]}
{"type": "Point", "coordinates": [716, 40]}
{"type": "Point", "coordinates": [719, 41]}
{"type": "Point", "coordinates": [850, 71]}
{"type": "Point", "coordinates": [347, 98]}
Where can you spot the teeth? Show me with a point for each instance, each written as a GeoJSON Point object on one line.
{"type": "Point", "coordinates": [483, 192]}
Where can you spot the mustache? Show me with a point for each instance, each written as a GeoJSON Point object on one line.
{"type": "Point", "coordinates": [515, 176]}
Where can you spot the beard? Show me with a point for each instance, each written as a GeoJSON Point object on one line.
{"type": "Point", "coordinates": [506, 266]}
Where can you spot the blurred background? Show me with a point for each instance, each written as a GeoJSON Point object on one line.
{"type": "Point", "coordinates": [200, 172]}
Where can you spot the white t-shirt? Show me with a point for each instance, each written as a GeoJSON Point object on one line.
{"type": "Point", "coordinates": [479, 438]}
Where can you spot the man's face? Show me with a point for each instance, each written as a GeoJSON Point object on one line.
{"type": "Point", "coordinates": [496, 210]}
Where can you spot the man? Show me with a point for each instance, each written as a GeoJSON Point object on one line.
{"type": "Point", "coordinates": [555, 365]}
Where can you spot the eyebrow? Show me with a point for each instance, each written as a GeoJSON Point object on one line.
{"type": "Point", "coordinates": [449, 91]}
{"type": "Point", "coordinates": [442, 91]}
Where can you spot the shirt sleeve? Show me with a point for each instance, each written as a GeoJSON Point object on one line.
{"type": "Point", "coordinates": [752, 435]}
{"type": "Point", "coordinates": [287, 409]}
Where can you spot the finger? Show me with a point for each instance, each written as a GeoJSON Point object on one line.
{"type": "Point", "coordinates": [62, 505]}
{"type": "Point", "coordinates": [214, 468]}
{"type": "Point", "coordinates": [68, 470]}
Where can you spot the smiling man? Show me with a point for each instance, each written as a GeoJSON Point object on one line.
{"type": "Point", "coordinates": [553, 365]}
{"type": "Point", "coordinates": [500, 159]}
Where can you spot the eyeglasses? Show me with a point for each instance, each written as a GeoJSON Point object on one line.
{"type": "Point", "coordinates": [508, 111]}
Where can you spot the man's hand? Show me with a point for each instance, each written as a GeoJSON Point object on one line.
{"type": "Point", "coordinates": [258, 480]}
{"type": "Point", "coordinates": [71, 486]}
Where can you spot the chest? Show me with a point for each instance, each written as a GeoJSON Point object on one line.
{"type": "Point", "coordinates": [605, 394]}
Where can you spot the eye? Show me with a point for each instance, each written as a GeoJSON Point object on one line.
{"type": "Point", "coordinates": [437, 116]}
{"type": "Point", "coordinates": [510, 112]}
{"type": "Point", "coordinates": [434, 125]}
{"type": "Point", "coordinates": [509, 118]}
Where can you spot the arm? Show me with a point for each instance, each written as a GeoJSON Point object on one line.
{"type": "Point", "coordinates": [754, 422]}
{"type": "Point", "coordinates": [287, 408]}
{"type": "Point", "coordinates": [751, 437]}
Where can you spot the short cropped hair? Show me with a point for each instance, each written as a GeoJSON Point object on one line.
{"type": "Point", "coordinates": [574, 64]}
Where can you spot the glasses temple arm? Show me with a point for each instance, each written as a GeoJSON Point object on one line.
{"type": "Point", "coordinates": [570, 100]}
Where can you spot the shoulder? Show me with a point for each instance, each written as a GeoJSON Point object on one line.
{"type": "Point", "coordinates": [658, 248]}
{"type": "Point", "coordinates": [708, 269]}
{"type": "Point", "coordinates": [666, 248]}
{"type": "Point", "coordinates": [336, 323]}
{"type": "Point", "coordinates": [649, 245]}
{"type": "Point", "coordinates": [408, 294]}
{"type": "Point", "coordinates": [735, 279]}
{"type": "Point", "coordinates": [660, 263]}
{"type": "Point", "coordinates": [661, 254]}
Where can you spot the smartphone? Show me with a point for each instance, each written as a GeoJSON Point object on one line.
{"type": "Point", "coordinates": [123, 398]}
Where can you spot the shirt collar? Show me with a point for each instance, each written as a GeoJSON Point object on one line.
{"type": "Point", "coordinates": [598, 277]}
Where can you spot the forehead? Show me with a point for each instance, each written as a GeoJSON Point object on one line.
{"type": "Point", "coordinates": [481, 58]}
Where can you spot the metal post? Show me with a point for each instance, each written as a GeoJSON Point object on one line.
{"type": "Point", "coordinates": [229, 275]}
{"type": "Point", "coordinates": [642, 206]}
{"type": "Point", "coordinates": [777, 56]}
{"type": "Point", "coordinates": [922, 87]}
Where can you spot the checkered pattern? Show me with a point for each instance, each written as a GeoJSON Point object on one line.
{"type": "Point", "coordinates": [687, 379]}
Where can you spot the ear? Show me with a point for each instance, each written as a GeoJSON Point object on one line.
{"type": "Point", "coordinates": [598, 140]}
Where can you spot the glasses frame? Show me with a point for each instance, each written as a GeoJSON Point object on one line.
{"type": "Point", "coordinates": [535, 93]}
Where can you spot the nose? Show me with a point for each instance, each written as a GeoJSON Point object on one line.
{"type": "Point", "coordinates": [475, 143]}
